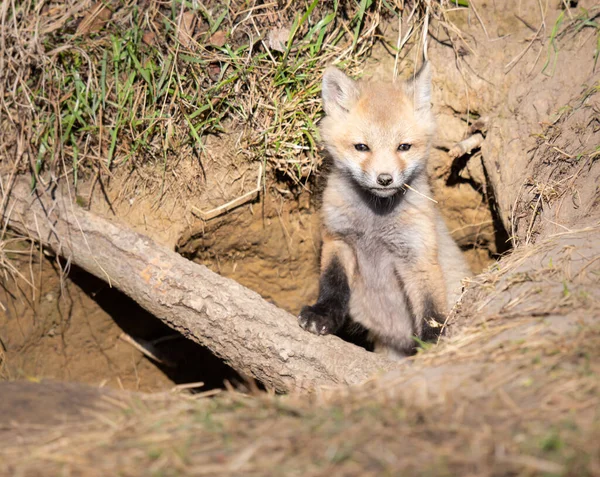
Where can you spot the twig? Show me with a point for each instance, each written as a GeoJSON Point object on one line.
{"type": "Point", "coordinates": [247, 197]}
{"type": "Point", "coordinates": [526, 23]}
{"type": "Point", "coordinates": [479, 19]}
{"type": "Point", "coordinates": [425, 31]}
{"type": "Point", "coordinates": [444, 325]}
{"type": "Point", "coordinates": [146, 349]}
{"type": "Point", "coordinates": [533, 215]}
{"type": "Point", "coordinates": [568, 9]}
{"type": "Point", "coordinates": [182, 387]}
{"type": "Point", "coordinates": [466, 145]}
{"type": "Point", "coordinates": [509, 66]}
{"type": "Point", "coordinates": [420, 193]}
{"type": "Point", "coordinates": [397, 55]}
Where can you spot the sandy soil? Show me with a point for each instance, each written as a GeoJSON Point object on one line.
{"type": "Point", "coordinates": [72, 330]}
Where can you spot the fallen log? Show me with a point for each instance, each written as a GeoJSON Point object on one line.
{"type": "Point", "coordinates": [236, 324]}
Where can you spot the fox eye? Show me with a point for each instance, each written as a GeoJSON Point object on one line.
{"type": "Point", "coordinates": [361, 147]}
{"type": "Point", "coordinates": [404, 147]}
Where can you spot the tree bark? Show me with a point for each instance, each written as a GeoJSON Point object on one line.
{"type": "Point", "coordinates": [250, 334]}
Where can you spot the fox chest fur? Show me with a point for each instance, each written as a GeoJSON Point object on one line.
{"type": "Point", "coordinates": [383, 225]}
{"type": "Point", "coordinates": [384, 239]}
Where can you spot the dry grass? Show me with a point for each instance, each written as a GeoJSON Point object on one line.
{"type": "Point", "coordinates": [565, 153]}
{"type": "Point", "coordinates": [536, 414]}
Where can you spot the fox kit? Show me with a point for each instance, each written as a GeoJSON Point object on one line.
{"type": "Point", "coordinates": [387, 261]}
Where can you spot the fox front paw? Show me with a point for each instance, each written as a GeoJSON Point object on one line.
{"type": "Point", "coordinates": [316, 321]}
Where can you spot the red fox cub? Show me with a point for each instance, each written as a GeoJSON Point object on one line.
{"type": "Point", "coordinates": [388, 261]}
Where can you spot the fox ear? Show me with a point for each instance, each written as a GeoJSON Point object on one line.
{"type": "Point", "coordinates": [419, 87]}
{"type": "Point", "coordinates": [339, 92]}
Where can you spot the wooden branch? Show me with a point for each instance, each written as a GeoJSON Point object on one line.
{"type": "Point", "coordinates": [466, 145]}
{"type": "Point", "coordinates": [250, 334]}
{"type": "Point", "coordinates": [473, 140]}
{"type": "Point", "coordinates": [247, 197]}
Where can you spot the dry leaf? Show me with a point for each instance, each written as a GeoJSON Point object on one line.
{"type": "Point", "coordinates": [95, 19]}
{"type": "Point", "coordinates": [49, 11]}
{"type": "Point", "coordinates": [218, 38]}
{"type": "Point", "coordinates": [185, 32]}
{"type": "Point", "coordinates": [278, 38]}
{"type": "Point", "coordinates": [149, 38]}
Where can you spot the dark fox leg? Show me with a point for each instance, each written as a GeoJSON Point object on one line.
{"type": "Point", "coordinates": [329, 313]}
{"type": "Point", "coordinates": [425, 290]}
{"type": "Point", "coordinates": [433, 320]}
{"type": "Point", "coordinates": [355, 333]}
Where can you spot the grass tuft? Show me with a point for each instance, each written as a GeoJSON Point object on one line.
{"type": "Point", "coordinates": [92, 88]}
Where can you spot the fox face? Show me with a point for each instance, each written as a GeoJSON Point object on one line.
{"type": "Point", "coordinates": [378, 133]}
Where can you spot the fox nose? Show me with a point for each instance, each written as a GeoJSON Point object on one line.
{"type": "Point", "coordinates": [384, 179]}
